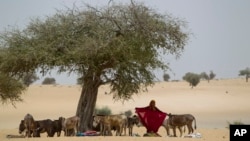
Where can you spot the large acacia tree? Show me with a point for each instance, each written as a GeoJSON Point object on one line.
{"type": "Point", "coordinates": [118, 45]}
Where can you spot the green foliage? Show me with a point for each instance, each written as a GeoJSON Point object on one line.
{"type": "Point", "coordinates": [29, 78]}
{"type": "Point", "coordinates": [204, 75]}
{"type": "Point", "coordinates": [207, 77]}
{"type": "Point", "coordinates": [245, 72]}
{"type": "Point", "coordinates": [192, 78]}
{"type": "Point", "coordinates": [103, 111]}
{"type": "Point", "coordinates": [166, 77]}
{"type": "Point", "coordinates": [49, 81]}
{"type": "Point", "coordinates": [10, 89]}
{"type": "Point", "coordinates": [212, 75]}
{"type": "Point", "coordinates": [237, 122]}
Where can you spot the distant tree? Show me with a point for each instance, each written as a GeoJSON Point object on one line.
{"type": "Point", "coordinates": [212, 75]}
{"type": "Point", "coordinates": [49, 81]}
{"type": "Point", "coordinates": [192, 78]}
{"type": "Point", "coordinates": [245, 72]}
{"type": "Point", "coordinates": [128, 113]}
{"type": "Point", "coordinates": [29, 78]}
{"type": "Point", "coordinates": [103, 111]}
{"type": "Point", "coordinates": [166, 77]}
{"type": "Point", "coordinates": [205, 76]}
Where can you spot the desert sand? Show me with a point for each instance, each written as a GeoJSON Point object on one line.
{"type": "Point", "coordinates": [214, 105]}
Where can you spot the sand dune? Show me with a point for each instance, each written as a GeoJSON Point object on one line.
{"type": "Point", "coordinates": [213, 104]}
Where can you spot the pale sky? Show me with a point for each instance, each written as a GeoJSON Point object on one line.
{"type": "Point", "coordinates": [220, 41]}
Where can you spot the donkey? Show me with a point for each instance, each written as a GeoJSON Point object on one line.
{"type": "Point", "coordinates": [179, 121]}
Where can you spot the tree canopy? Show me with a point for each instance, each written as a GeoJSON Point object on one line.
{"type": "Point", "coordinates": [10, 89]}
{"type": "Point", "coordinates": [212, 75]}
{"type": "Point", "coordinates": [29, 78]}
{"type": "Point", "coordinates": [192, 78]}
{"type": "Point", "coordinates": [166, 77]}
{"type": "Point", "coordinates": [117, 45]}
{"type": "Point", "coordinates": [207, 77]}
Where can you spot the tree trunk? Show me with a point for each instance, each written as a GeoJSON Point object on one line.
{"type": "Point", "coordinates": [87, 103]}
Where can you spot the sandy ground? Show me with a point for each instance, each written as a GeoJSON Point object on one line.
{"type": "Point", "coordinates": [213, 104]}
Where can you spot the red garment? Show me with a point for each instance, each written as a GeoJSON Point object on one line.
{"type": "Point", "coordinates": [151, 119]}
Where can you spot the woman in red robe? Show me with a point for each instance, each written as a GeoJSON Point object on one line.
{"type": "Point", "coordinates": [151, 117]}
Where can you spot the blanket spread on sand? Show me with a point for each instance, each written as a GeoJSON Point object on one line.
{"type": "Point", "coordinates": [151, 119]}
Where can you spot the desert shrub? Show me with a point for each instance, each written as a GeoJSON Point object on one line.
{"type": "Point", "coordinates": [103, 111]}
{"type": "Point", "coordinates": [48, 81]}
{"type": "Point", "coordinates": [166, 77]}
{"type": "Point", "coordinates": [237, 122]}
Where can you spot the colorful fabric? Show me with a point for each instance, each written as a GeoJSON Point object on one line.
{"type": "Point", "coordinates": [151, 119]}
{"type": "Point", "coordinates": [88, 133]}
